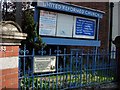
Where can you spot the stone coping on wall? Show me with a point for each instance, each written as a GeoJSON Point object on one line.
{"type": "Point", "coordinates": [11, 33]}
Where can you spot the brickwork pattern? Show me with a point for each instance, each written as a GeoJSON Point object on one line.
{"type": "Point", "coordinates": [8, 51]}
{"type": "Point", "coordinates": [8, 75]}
{"type": "Point", "coordinates": [8, 78]}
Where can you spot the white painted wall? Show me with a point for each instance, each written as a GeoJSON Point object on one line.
{"type": "Point", "coordinates": [119, 18]}
{"type": "Point", "coordinates": [116, 21]}
{"type": "Point", "coordinates": [8, 62]}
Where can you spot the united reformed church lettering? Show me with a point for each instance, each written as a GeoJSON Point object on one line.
{"type": "Point", "coordinates": [69, 8]}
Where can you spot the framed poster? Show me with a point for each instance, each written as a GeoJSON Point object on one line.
{"type": "Point", "coordinates": [44, 64]}
{"type": "Point", "coordinates": [84, 28]}
{"type": "Point", "coordinates": [47, 23]}
{"type": "Point", "coordinates": [64, 25]}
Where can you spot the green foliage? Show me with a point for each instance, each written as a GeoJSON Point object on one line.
{"type": "Point", "coordinates": [49, 82]}
{"type": "Point", "coordinates": [28, 26]}
{"type": "Point", "coordinates": [33, 39]}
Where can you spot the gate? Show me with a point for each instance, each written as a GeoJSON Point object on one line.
{"type": "Point", "coordinates": [74, 68]}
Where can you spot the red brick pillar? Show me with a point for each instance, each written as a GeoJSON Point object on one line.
{"type": "Point", "coordinates": [9, 69]}
{"type": "Point", "coordinates": [11, 37]}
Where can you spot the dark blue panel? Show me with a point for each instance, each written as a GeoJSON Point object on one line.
{"type": "Point", "coordinates": [36, 15]}
{"type": "Point", "coordinates": [85, 27]}
{"type": "Point", "coordinates": [73, 42]}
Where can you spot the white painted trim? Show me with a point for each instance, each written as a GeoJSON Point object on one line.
{"type": "Point", "coordinates": [10, 44]}
{"type": "Point", "coordinates": [8, 62]}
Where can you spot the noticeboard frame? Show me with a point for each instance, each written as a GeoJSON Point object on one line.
{"type": "Point", "coordinates": [72, 28]}
{"type": "Point", "coordinates": [51, 40]}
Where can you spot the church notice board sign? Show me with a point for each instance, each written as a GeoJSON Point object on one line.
{"type": "Point", "coordinates": [66, 24]}
{"type": "Point", "coordinates": [47, 23]}
{"type": "Point", "coordinates": [84, 28]}
{"type": "Point", "coordinates": [55, 24]}
{"type": "Point", "coordinates": [44, 64]}
{"type": "Point", "coordinates": [62, 25]}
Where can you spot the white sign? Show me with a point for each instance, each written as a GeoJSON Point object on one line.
{"type": "Point", "coordinates": [64, 25]}
{"type": "Point", "coordinates": [44, 64]}
{"type": "Point", "coordinates": [47, 23]}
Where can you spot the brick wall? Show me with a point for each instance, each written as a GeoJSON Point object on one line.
{"type": "Point", "coordinates": [104, 22]}
{"type": "Point", "coordinates": [9, 67]}
{"type": "Point", "coordinates": [9, 51]}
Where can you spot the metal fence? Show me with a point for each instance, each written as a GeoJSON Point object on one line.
{"type": "Point", "coordinates": [74, 68]}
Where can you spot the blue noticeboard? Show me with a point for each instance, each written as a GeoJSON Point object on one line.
{"type": "Point", "coordinates": [85, 28]}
